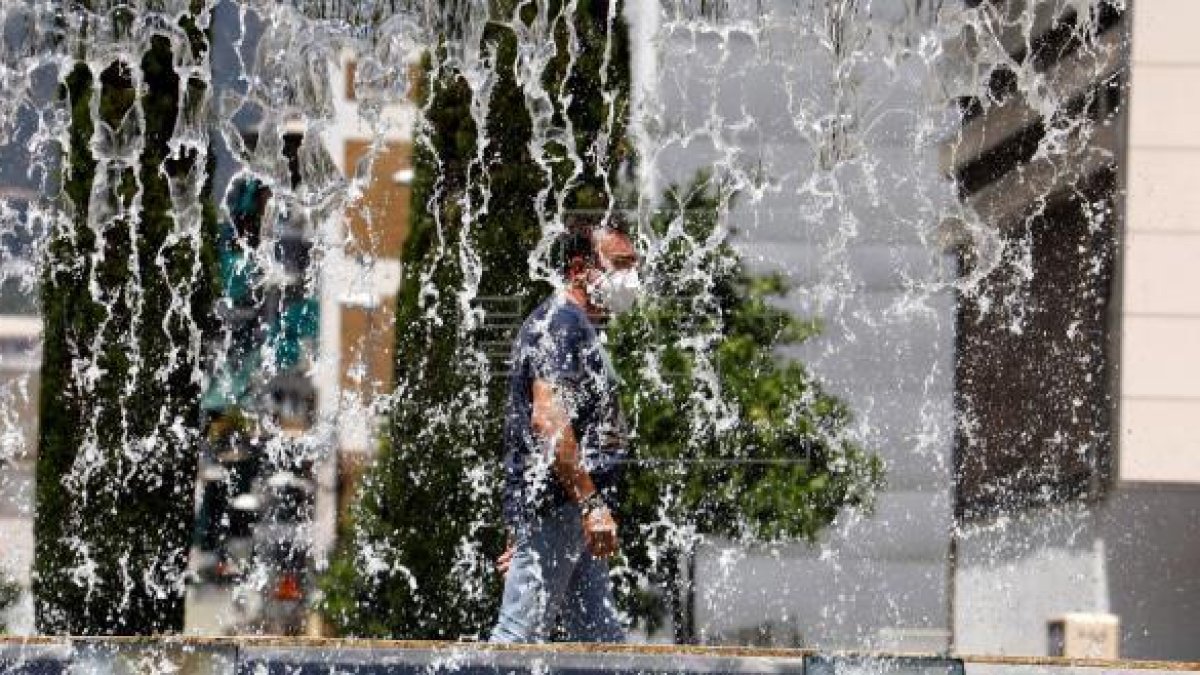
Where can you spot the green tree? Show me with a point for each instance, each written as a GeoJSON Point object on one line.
{"type": "Point", "coordinates": [730, 439]}
{"type": "Point", "coordinates": [127, 290]}
{"type": "Point", "coordinates": [393, 575]}
{"type": "Point", "coordinates": [416, 559]}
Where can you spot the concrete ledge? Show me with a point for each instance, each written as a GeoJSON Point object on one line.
{"type": "Point", "coordinates": [252, 654]}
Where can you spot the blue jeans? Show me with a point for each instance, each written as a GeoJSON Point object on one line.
{"type": "Point", "coordinates": [553, 577]}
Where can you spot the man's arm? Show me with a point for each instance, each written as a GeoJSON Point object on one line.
{"type": "Point", "coordinates": [551, 423]}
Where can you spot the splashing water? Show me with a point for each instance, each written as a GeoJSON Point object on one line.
{"type": "Point", "coordinates": [231, 210]}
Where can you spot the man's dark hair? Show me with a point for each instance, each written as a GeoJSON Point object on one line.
{"type": "Point", "coordinates": [572, 244]}
{"type": "Point", "coordinates": [578, 239]}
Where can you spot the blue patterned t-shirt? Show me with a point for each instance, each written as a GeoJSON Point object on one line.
{"type": "Point", "coordinates": [558, 344]}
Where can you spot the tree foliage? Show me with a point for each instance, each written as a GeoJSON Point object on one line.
{"type": "Point", "coordinates": [127, 291]}
{"type": "Point", "coordinates": [731, 440]}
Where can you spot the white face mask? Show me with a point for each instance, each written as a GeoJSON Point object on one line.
{"type": "Point", "coordinates": [617, 290]}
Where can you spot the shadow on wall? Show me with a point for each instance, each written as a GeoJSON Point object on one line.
{"type": "Point", "coordinates": [1134, 554]}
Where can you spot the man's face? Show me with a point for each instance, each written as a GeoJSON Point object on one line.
{"type": "Point", "coordinates": [615, 256]}
{"type": "Point", "coordinates": [614, 251]}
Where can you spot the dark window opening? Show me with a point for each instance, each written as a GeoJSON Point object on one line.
{"type": "Point", "coordinates": [1032, 361]}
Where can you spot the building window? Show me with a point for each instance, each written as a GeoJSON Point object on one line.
{"type": "Point", "coordinates": [1033, 360]}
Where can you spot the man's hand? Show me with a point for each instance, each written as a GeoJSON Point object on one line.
{"type": "Point", "coordinates": [551, 422]}
{"type": "Point", "coordinates": [505, 559]}
{"type": "Point", "coordinates": [600, 532]}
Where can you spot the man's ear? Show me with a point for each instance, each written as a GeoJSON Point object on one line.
{"type": "Point", "coordinates": [575, 269]}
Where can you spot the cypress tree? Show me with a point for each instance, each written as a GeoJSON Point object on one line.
{"type": "Point", "coordinates": [127, 290]}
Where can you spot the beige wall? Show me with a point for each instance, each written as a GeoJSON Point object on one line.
{"type": "Point", "coordinates": [378, 224]}
{"type": "Point", "coordinates": [1160, 361]}
{"type": "Point", "coordinates": [367, 344]}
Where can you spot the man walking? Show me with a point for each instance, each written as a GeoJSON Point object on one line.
{"type": "Point", "coordinates": [565, 439]}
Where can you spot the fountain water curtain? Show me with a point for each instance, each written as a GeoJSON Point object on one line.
{"type": "Point", "coordinates": [802, 179]}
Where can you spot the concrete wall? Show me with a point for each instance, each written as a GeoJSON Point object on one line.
{"type": "Point", "coordinates": [1134, 555]}
{"type": "Point", "coordinates": [1014, 574]}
